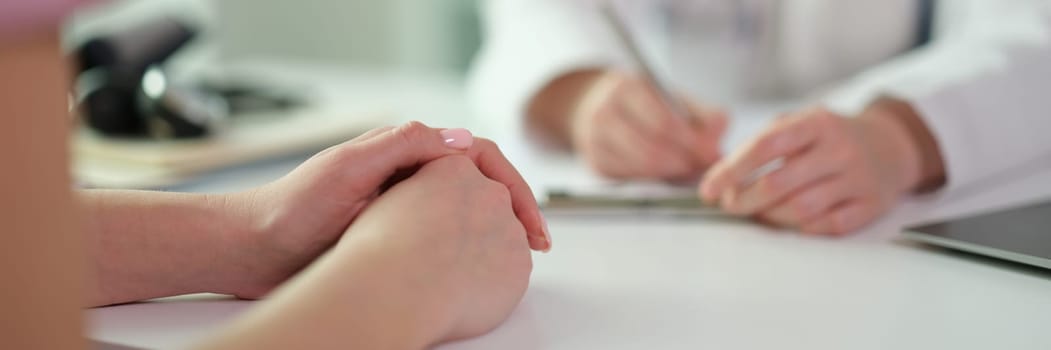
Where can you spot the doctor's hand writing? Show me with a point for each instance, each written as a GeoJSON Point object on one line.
{"type": "Point", "coordinates": [838, 174]}
{"type": "Point", "coordinates": [622, 128]}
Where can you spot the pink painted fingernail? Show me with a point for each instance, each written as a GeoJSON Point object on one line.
{"type": "Point", "coordinates": [547, 233]}
{"type": "Point", "coordinates": [457, 138]}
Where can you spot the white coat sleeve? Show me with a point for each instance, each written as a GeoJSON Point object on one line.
{"type": "Point", "coordinates": [983, 89]}
{"type": "Point", "coordinates": [527, 44]}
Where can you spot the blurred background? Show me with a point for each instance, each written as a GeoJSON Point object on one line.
{"type": "Point", "coordinates": [347, 66]}
{"type": "Point", "coordinates": [414, 35]}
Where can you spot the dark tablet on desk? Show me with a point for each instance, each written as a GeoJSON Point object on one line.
{"type": "Point", "coordinates": [1021, 234]}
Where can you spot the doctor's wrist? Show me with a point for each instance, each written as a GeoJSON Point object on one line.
{"type": "Point", "coordinates": [552, 110]}
{"type": "Point", "coordinates": [922, 168]}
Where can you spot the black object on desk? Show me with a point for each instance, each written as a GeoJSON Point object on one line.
{"type": "Point", "coordinates": [123, 91]}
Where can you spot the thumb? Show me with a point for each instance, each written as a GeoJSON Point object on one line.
{"type": "Point", "coordinates": [710, 124]}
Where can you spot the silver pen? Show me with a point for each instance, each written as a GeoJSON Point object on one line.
{"type": "Point", "coordinates": [623, 35]}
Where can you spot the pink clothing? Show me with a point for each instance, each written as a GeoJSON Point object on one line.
{"type": "Point", "coordinates": [26, 17]}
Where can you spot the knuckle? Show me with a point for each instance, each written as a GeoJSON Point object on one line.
{"type": "Point", "coordinates": [341, 154]}
{"type": "Point", "coordinates": [462, 163]}
{"type": "Point", "coordinates": [497, 192]}
{"type": "Point", "coordinates": [374, 132]}
{"type": "Point", "coordinates": [487, 146]}
{"type": "Point", "coordinates": [458, 164]}
{"type": "Point", "coordinates": [485, 143]}
{"type": "Point", "coordinates": [414, 126]}
{"type": "Point", "coordinates": [411, 132]}
{"type": "Point", "coordinates": [326, 151]}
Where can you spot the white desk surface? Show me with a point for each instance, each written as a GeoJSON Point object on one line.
{"type": "Point", "coordinates": [646, 282]}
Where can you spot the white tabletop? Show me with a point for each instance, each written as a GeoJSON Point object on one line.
{"type": "Point", "coordinates": [650, 282]}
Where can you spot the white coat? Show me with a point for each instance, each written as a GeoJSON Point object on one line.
{"type": "Point", "coordinates": [982, 84]}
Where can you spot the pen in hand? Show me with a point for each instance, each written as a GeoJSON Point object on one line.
{"type": "Point", "coordinates": [630, 125]}
{"type": "Point", "coordinates": [624, 37]}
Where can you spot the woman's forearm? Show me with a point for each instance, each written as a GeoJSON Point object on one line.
{"type": "Point", "coordinates": [146, 245]}
{"type": "Point", "coordinates": [356, 299]}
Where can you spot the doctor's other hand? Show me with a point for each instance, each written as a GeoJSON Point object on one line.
{"type": "Point", "coordinates": [619, 124]}
{"type": "Point", "coordinates": [837, 174]}
{"type": "Point", "coordinates": [438, 257]}
{"type": "Point", "coordinates": [299, 216]}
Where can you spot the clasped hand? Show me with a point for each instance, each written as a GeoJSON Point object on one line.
{"type": "Point", "coordinates": [441, 205]}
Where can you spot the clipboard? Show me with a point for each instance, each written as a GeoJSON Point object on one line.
{"type": "Point", "coordinates": [628, 201]}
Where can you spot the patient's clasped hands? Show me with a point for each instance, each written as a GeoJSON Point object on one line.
{"type": "Point", "coordinates": [435, 217]}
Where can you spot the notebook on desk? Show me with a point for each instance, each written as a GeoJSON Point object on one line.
{"type": "Point", "coordinates": [135, 163]}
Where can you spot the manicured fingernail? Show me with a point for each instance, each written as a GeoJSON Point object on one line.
{"type": "Point", "coordinates": [457, 138]}
{"type": "Point", "coordinates": [547, 233]}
